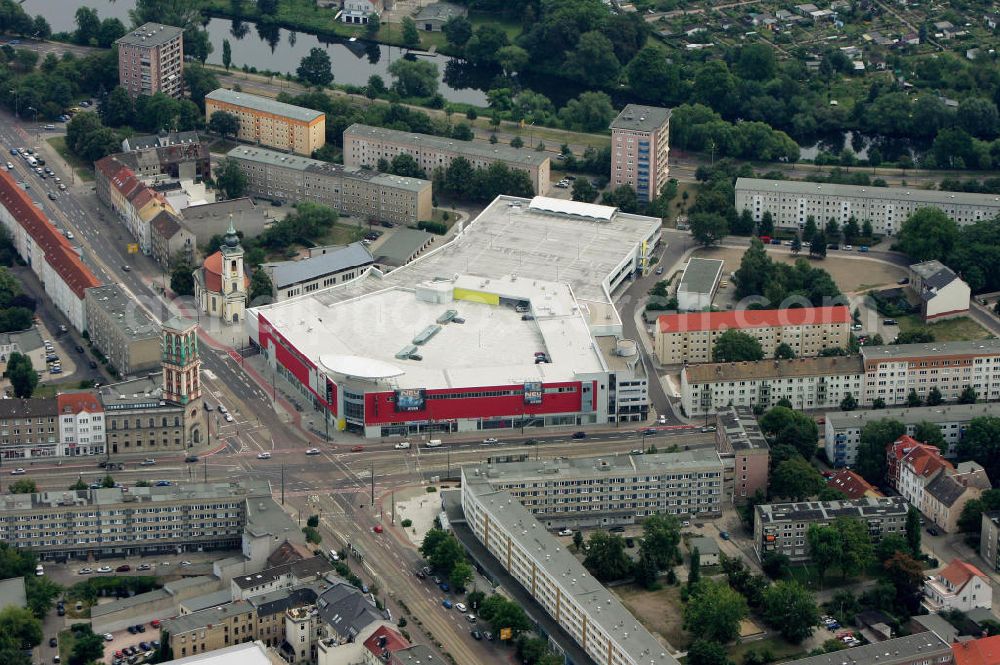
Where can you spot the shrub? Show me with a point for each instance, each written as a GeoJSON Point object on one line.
{"type": "Point", "coordinates": [437, 228]}
{"type": "Point", "coordinates": [407, 523]}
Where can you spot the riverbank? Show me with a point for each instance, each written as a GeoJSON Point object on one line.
{"type": "Point", "coordinates": [306, 16]}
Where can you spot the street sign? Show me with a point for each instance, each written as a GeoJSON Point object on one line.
{"type": "Point", "coordinates": [506, 633]}
{"type": "Point", "coordinates": [133, 248]}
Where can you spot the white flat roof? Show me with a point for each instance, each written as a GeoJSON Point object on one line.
{"type": "Point", "coordinates": [575, 208]}
{"type": "Point", "coordinates": [494, 346]}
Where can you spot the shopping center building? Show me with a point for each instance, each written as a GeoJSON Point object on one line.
{"type": "Point", "coordinates": [511, 324]}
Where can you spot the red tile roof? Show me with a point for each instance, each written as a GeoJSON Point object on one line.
{"type": "Point", "coordinates": [108, 166]}
{"type": "Point", "coordinates": [213, 273]}
{"type": "Point", "coordinates": [393, 641]}
{"type": "Point", "coordinates": [77, 402]}
{"type": "Point", "coordinates": [125, 182]}
{"type": "Point", "coordinates": [926, 460]}
{"type": "Point", "coordinates": [59, 254]}
{"type": "Point", "coordinates": [984, 651]}
{"type": "Point", "coordinates": [959, 572]}
{"type": "Point", "coordinates": [753, 318]}
{"type": "Point", "coordinates": [853, 485]}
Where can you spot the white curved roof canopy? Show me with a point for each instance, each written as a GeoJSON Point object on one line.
{"type": "Point", "coordinates": [359, 366]}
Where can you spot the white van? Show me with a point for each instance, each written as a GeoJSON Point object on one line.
{"type": "Point", "coordinates": [334, 555]}
{"type": "Point", "coordinates": [39, 570]}
{"type": "Point", "coordinates": [434, 443]}
{"type": "Point", "coordinates": [32, 161]}
{"type": "Point", "coordinates": [402, 445]}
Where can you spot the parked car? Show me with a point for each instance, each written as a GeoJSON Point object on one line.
{"type": "Point", "coordinates": [579, 435]}
{"type": "Point", "coordinates": [357, 449]}
{"type": "Point", "coordinates": [312, 451]}
{"type": "Point", "coordinates": [491, 440]}
{"type": "Point", "coordinates": [446, 603]}
{"type": "Point", "coordinates": [377, 528]}
{"type": "Point", "coordinates": [18, 472]}
{"type": "Point", "coordinates": [566, 532]}
{"type": "Point", "coordinates": [124, 568]}
{"type": "Point", "coordinates": [264, 455]}
{"type": "Point", "coordinates": [460, 607]}
{"type": "Point", "coordinates": [724, 535]}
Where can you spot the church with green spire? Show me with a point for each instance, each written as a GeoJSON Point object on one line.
{"type": "Point", "coordinates": [221, 283]}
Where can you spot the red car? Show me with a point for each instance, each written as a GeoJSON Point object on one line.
{"type": "Point", "coordinates": [155, 623]}
{"type": "Point", "coordinates": [377, 528]}
{"type": "Point", "coordinates": [357, 449]}
{"type": "Point", "coordinates": [124, 568]}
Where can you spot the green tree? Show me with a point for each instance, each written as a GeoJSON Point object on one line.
{"type": "Point", "coordinates": [373, 25]}
{"type": "Point", "coordinates": [734, 346]}
{"type": "Point", "coordinates": [19, 628]}
{"type": "Point", "coordinates": [707, 652]}
{"type": "Point", "coordinates": [261, 289]}
{"type": "Point", "coordinates": [182, 279]}
{"type": "Point", "coordinates": [791, 428]}
{"type": "Point", "coordinates": [315, 68]}
{"type": "Point", "coordinates": [930, 433]}
{"type": "Point", "coordinates": [22, 486]}
{"type": "Point", "coordinates": [78, 485]}
{"type": "Point", "coordinates": [622, 197]}
{"type": "Point", "coordinates": [875, 436]}
{"type": "Point", "coordinates": [913, 399]}
{"type": "Point", "coordinates": [446, 555]}
{"type": "Point", "coordinates": [817, 246]}
{"type": "Point", "coordinates": [661, 536]}
{"type": "Point", "coordinates": [227, 54]}
{"type": "Point", "coordinates": [107, 481]}
{"type": "Point", "coordinates": [593, 61]}
{"type": "Point", "coordinates": [970, 521]}
{"type": "Point", "coordinates": [928, 234]}
{"type": "Point", "coordinates": [714, 612]}
{"type": "Point", "coordinates": [118, 109]}
{"type": "Point", "coordinates": [88, 26]}
{"type": "Point", "coordinates": [40, 592]}
{"type": "Point", "coordinates": [502, 613]}
{"type": "Point", "coordinates": [199, 81]}
{"type": "Point", "coordinates": [461, 574]}
{"type": "Point", "coordinates": [414, 78]}
{"type": "Point", "coordinates": [708, 228]}
{"type": "Point", "coordinates": [848, 403]}
{"type": "Point", "coordinates": [411, 37]}
{"type": "Point", "coordinates": [968, 395]}
{"type": "Point", "coordinates": [230, 179]}
{"type": "Point", "coordinates": [484, 47]}
{"type": "Point", "coordinates": [404, 164]}
{"type": "Point", "coordinates": [590, 112]}
{"type": "Point", "coordinates": [22, 375]}
{"type": "Point", "coordinates": [907, 576]}
{"type": "Point", "coordinates": [606, 559]}
{"type": "Point", "coordinates": [87, 647]}
{"type": "Point", "coordinates": [584, 191]}
{"type": "Point", "coordinates": [457, 30]}
{"type": "Point", "coordinates": [913, 530]}
{"type": "Point", "coordinates": [513, 59]}
{"type": "Point", "coordinates": [694, 568]}
{"type": "Point", "coordinates": [784, 351]}
{"type": "Point", "coordinates": [313, 521]}
{"type": "Point", "coordinates": [788, 607]}
{"type": "Point", "coordinates": [796, 479]}
{"type": "Point", "coordinates": [980, 443]}
{"type": "Point", "coordinates": [889, 544]}
{"type": "Point", "coordinates": [856, 551]}
{"type": "Point", "coordinates": [934, 396]}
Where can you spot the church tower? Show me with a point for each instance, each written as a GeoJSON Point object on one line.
{"type": "Point", "coordinates": [234, 281]}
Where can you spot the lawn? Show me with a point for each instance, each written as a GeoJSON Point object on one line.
{"type": "Point", "coordinates": [83, 169]}
{"type": "Point", "coordinates": [342, 234]}
{"type": "Point", "coordinates": [512, 28]}
{"type": "Point", "coordinates": [445, 216]}
{"type": "Point", "coordinates": [951, 330]}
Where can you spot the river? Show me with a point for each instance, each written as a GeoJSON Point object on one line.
{"type": "Point", "coordinates": [352, 62]}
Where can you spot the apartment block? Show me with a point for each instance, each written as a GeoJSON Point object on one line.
{"type": "Point", "coordinates": [151, 60]}
{"type": "Point", "coordinates": [271, 123]}
{"type": "Point", "coordinates": [738, 436]}
{"type": "Point", "coordinates": [640, 150]}
{"type": "Point", "coordinates": [81, 424]}
{"type": "Point", "coordinates": [49, 254]}
{"type": "Point", "coordinates": [612, 489]}
{"type": "Point", "coordinates": [122, 330]}
{"type": "Point", "coordinates": [282, 576]}
{"type": "Point", "coordinates": [143, 520]}
{"type": "Point", "coordinates": [691, 338]}
{"type": "Point", "coordinates": [892, 371]}
{"type": "Point", "coordinates": [808, 383]}
{"type": "Point", "coordinates": [989, 539]}
{"type": "Point", "coordinates": [792, 202]}
{"type": "Point", "coordinates": [842, 429]}
{"type": "Point", "coordinates": [920, 649]}
{"type": "Point", "coordinates": [364, 145]}
{"type": "Point", "coordinates": [349, 189]}
{"type": "Point", "coordinates": [782, 527]}
{"type": "Point", "coordinates": [593, 617]}
{"type": "Point", "coordinates": [28, 428]}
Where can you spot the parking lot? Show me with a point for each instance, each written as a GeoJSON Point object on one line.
{"type": "Point", "coordinates": [132, 647]}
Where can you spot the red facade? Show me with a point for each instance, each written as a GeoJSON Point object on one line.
{"type": "Point", "coordinates": [380, 407]}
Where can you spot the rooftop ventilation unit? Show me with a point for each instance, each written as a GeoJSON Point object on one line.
{"type": "Point", "coordinates": [426, 334]}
